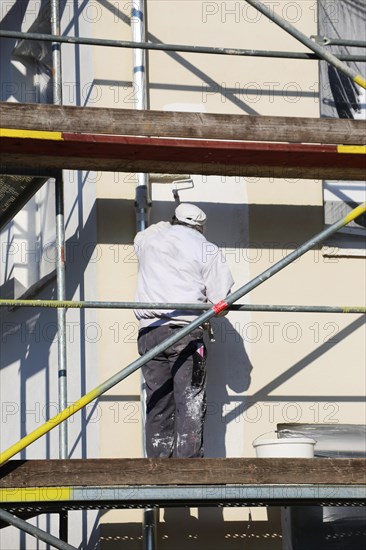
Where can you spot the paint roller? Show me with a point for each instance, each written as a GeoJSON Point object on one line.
{"type": "Point", "coordinates": [179, 182]}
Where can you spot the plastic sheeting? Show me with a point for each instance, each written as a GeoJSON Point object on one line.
{"type": "Point", "coordinates": [341, 97]}
{"type": "Point", "coordinates": [342, 19]}
{"type": "Point", "coordinates": [39, 50]}
{"type": "Point", "coordinates": [332, 440]}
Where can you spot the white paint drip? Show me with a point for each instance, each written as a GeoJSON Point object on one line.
{"type": "Point", "coordinates": [194, 402]}
{"type": "Point", "coordinates": [162, 442]}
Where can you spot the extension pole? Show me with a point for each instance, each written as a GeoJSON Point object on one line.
{"type": "Point", "coordinates": [317, 48]}
{"type": "Point", "coordinates": [207, 315]}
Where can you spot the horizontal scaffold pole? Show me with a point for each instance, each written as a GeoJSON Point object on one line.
{"type": "Point", "coordinates": [152, 46]}
{"type": "Point", "coordinates": [328, 41]}
{"type": "Point", "coordinates": [71, 304]}
{"type": "Point", "coordinates": [316, 48]}
{"type": "Point", "coordinates": [204, 317]}
{"type": "Point", "coordinates": [35, 531]}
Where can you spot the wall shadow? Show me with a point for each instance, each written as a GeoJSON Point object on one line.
{"type": "Point", "coordinates": [228, 372]}
{"type": "Point", "coordinates": [263, 394]}
{"type": "Point", "coordinates": [277, 226]}
{"type": "Point", "coordinates": [28, 334]}
{"type": "Point", "coordinates": [225, 222]}
{"type": "Point", "coordinates": [201, 75]}
{"type": "Point", "coordinates": [198, 534]}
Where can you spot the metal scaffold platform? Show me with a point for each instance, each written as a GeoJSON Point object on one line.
{"type": "Point", "coordinates": [37, 485]}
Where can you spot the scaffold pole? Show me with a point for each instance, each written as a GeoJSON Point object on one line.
{"type": "Point", "coordinates": [71, 304]}
{"type": "Point", "coordinates": [35, 531]}
{"type": "Point", "coordinates": [182, 48]}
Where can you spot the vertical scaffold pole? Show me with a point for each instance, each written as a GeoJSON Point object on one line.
{"type": "Point", "coordinates": [61, 312]}
{"type": "Point", "coordinates": [142, 203]}
{"type": "Point", "coordinates": [138, 28]}
{"type": "Point", "coordinates": [60, 258]}
{"type": "Point", "coordinates": [60, 234]}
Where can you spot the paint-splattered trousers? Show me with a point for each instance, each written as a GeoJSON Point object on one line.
{"type": "Point", "coordinates": [175, 393]}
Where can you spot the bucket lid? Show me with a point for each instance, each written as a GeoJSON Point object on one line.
{"type": "Point", "coordinates": [285, 441]}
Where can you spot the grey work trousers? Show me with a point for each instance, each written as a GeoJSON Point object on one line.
{"type": "Point", "coordinates": [175, 390]}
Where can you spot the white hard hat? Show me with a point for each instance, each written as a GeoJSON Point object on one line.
{"type": "Point", "coordinates": [190, 214]}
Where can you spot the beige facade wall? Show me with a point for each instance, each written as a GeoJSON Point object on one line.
{"type": "Point", "coordinates": [263, 368]}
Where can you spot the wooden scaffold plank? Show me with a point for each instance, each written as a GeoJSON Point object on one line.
{"type": "Point", "coordinates": [52, 150]}
{"type": "Point", "coordinates": [95, 120]}
{"type": "Point", "coordinates": [207, 471]}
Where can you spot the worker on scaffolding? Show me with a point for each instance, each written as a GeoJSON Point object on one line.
{"type": "Point", "coordinates": [176, 264]}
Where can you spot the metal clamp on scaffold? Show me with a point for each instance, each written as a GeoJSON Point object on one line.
{"type": "Point", "coordinates": [220, 306]}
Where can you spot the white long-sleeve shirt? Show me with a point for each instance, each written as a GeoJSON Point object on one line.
{"type": "Point", "coordinates": [178, 264]}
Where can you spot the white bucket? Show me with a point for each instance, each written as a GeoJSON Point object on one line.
{"type": "Point", "coordinates": [298, 447]}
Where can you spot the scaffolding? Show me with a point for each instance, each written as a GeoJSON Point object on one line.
{"type": "Point", "coordinates": [19, 158]}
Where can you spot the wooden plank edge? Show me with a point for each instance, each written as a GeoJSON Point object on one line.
{"type": "Point", "coordinates": [104, 472]}
{"type": "Point", "coordinates": [19, 160]}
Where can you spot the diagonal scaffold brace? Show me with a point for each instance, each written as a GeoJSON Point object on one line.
{"type": "Point", "coordinates": [36, 532]}
{"type": "Point", "coordinates": [204, 317]}
{"type": "Point", "coordinates": [311, 44]}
